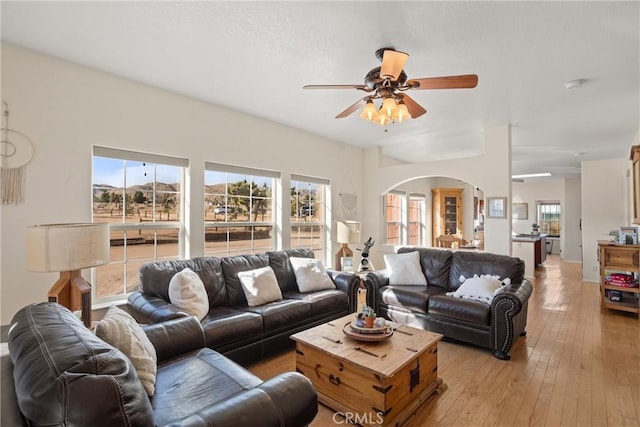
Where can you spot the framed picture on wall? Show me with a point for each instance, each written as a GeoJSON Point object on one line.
{"type": "Point", "coordinates": [496, 207]}
{"type": "Point", "coordinates": [520, 211]}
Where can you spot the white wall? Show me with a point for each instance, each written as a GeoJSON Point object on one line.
{"type": "Point", "coordinates": [530, 192]}
{"type": "Point", "coordinates": [605, 207]}
{"type": "Point", "coordinates": [491, 172]}
{"type": "Point", "coordinates": [571, 234]}
{"type": "Point", "coordinates": [66, 109]}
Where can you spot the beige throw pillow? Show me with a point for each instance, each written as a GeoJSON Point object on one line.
{"type": "Point", "coordinates": [310, 275]}
{"type": "Point", "coordinates": [260, 286]}
{"type": "Point", "coordinates": [405, 269]}
{"type": "Point", "coordinates": [122, 331]}
{"type": "Point", "coordinates": [187, 292]}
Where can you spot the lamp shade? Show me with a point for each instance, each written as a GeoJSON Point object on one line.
{"type": "Point", "coordinates": [347, 231]}
{"type": "Point", "coordinates": [67, 247]}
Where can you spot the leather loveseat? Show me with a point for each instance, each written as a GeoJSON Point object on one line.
{"type": "Point", "coordinates": [231, 327]}
{"type": "Point", "coordinates": [59, 373]}
{"type": "Point", "coordinates": [495, 325]}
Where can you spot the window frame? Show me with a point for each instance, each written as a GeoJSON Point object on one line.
{"type": "Point", "coordinates": [421, 199]}
{"type": "Point", "coordinates": [540, 221]}
{"type": "Point", "coordinates": [252, 173]}
{"type": "Point", "coordinates": [322, 222]}
{"type": "Point", "coordinates": [404, 222]}
{"type": "Point", "coordinates": [127, 227]}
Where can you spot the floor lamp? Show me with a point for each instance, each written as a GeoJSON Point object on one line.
{"type": "Point", "coordinates": [68, 248]}
{"type": "Point", "coordinates": [346, 232]}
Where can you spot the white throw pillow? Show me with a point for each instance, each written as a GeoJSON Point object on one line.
{"type": "Point", "coordinates": [119, 329]}
{"type": "Point", "coordinates": [260, 286]}
{"type": "Point", "coordinates": [479, 288]}
{"type": "Point", "coordinates": [310, 275]}
{"type": "Point", "coordinates": [405, 269]}
{"type": "Point", "coordinates": [187, 292]}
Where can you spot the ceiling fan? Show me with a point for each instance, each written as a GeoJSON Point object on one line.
{"type": "Point", "coordinates": [388, 83]}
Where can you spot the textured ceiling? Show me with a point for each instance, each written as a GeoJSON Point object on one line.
{"type": "Point", "coordinates": [256, 56]}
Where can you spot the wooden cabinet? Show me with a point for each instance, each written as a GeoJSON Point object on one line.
{"type": "Point", "coordinates": [619, 271]}
{"type": "Point", "coordinates": [447, 212]}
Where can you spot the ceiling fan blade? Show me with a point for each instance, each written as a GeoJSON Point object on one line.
{"type": "Point", "coordinates": [334, 87]}
{"type": "Point", "coordinates": [354, 107]}
{"type": "Point", "coordinates": [414, 108]}
{"type": "Point", "coordinates": [392, 63]}
{"type": "Point", "coordinates": [466, 81]}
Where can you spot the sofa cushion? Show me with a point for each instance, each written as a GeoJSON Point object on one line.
{"type": "Point", "coordinates": [436, 264]}
{"type": "Point", "coordinates": [282, 314]}
{"type": "Point", "coordinates": [467, 264]}
{"type": "Point", "coordinates": [405, 269]}
{"type": "Point", "coordinates": [323, 302]}
{"type": "Point", "coordinates": [260, 286]}
{"type": "Point", "coordinates": [187, 292]}
{"type": "Point", "coordinates": [409, 297]}
{"type": "Point", "coordinates": [155, 277]}
{"type": "Point", "coordinates": [279, 261]}
{"type": "Point", "coordinates": [61, 368]}
{"type": "Point", "coordinates": [310, 274]}
{"type": "Point", "coordinates": [460, 309]}
{"type": "Point", "coordinates": [231, 266]}
{"type": "Point", "coordinates": [226, 325]}
{"type": "Point", "coordinates": [194, 381]}
{"type": "Point", "coordinates": [119, 329]}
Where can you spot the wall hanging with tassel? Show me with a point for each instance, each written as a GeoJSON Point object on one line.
{"type": "Point", "coordinates": [16, 152]}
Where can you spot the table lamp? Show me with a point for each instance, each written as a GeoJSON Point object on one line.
{"type": "Point", "coordinates": [346, 232]}
{"type": "Point", "coordinates": [68, 248]}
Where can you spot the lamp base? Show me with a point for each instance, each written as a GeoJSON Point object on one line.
{"type": "Point", "coordinates": [74, 292]}
{"type": "Point", "coordinates": [343, 252]}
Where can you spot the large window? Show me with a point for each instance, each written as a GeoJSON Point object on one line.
{"type": "Point", "coordinates": [141, 197]}
{"type": "Point", "coordinates": [308, 210]}
{"type": "Point", "coordinates": [239, 210]}
{"type": "Point", "coordinates": [549, 218]}
{"type": "Point", "coordinates": [404, 218]}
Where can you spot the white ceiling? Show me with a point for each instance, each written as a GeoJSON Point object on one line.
{"type": "Point", "coordinates": [256, 56]}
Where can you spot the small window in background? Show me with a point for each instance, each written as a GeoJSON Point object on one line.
{"type": "Point", "coordinates": [417, 205]}
{"type": "Point", "coordinates": [393, 217]}
{"type": "Point", "coordinates": [549, 218]}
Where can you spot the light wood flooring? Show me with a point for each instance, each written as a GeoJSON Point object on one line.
{"type": "Point", "coordinates": [577, 366]}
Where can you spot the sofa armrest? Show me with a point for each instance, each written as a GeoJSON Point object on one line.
{"type": "Point", "coordinates": [509, 316]}
{"type": "Point", "coordinates": [288, 399]}
{"type": "Point", "coordinates": [151, 309]}
{"type": "Point", "coordinates": [347, 282]}
{"type": "Point", "coordinates": [374, 280]}
{"type": "Point", "coordinates": [176, 336]}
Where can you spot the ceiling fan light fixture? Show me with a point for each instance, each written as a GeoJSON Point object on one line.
{"type": "Point", "coordinates": [389, 106]}
{"type": "Point", "coordinates": [401, 114]}
{"type": "Point", "coordinates": [369, 112]}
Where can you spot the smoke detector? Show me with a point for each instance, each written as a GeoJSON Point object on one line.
{"type": "Point", "coordinates": [575, 84]}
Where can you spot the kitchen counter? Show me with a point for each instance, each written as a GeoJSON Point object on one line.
{"type": "Point", "coordinates": [531, 249]}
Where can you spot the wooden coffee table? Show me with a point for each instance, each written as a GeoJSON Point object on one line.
{"type": "Point", "coordinates": [370, 383]}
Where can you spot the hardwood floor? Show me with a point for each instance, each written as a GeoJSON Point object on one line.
{"type": "Point", "coordinates": [577, 366]}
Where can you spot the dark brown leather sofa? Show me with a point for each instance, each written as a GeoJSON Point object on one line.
{"type": "Point", "coordinates": [66, 376]}
{"type": "Point", "coordinates": [231, 327]}
{"type": "Point", "coordinates": [494, 326]}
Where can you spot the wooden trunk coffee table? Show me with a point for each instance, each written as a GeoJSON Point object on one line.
{"type": "Point", "coordinates": [369, 383]}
